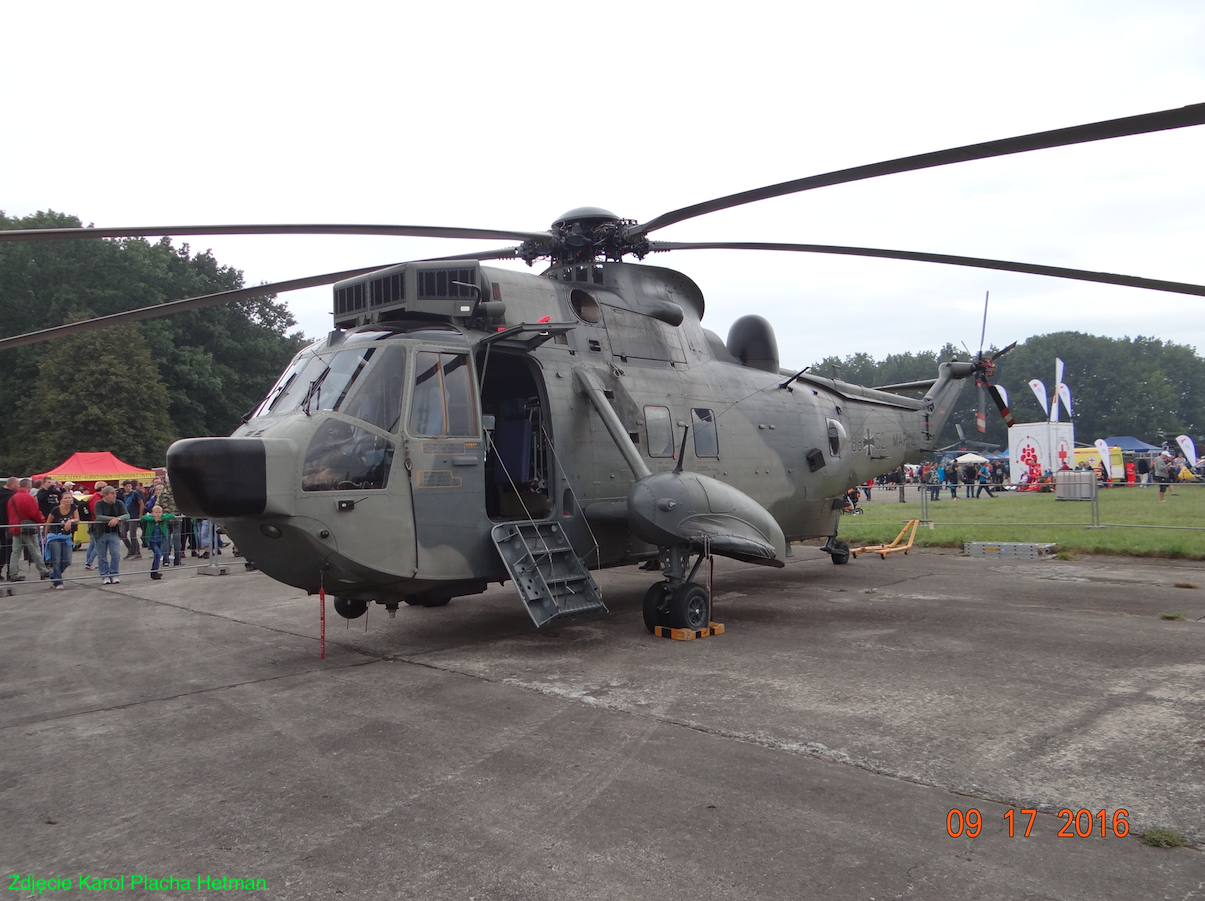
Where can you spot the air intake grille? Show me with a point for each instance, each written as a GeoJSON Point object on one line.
{"type": "Point", "coordinates": [440, 284]}
{"type": "Point", "coordinates": [349, 299]}
{"type": "Point", "coordinates": [390, 289]}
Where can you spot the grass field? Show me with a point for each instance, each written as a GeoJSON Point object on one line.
{"type": "Point", "coordinates": [1137, 524]}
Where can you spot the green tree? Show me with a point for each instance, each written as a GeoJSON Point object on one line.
{"type": "Point", "coordinates": [74, 404]}
{"type": "Point", "coordinates": [214, 364]}
{"type": "Point", "coordinates": [1142, 386]}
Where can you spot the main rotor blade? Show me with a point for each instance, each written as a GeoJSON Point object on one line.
{"type": "Point", "coordinates": [1082, 275]}
{"type": "Point", "coordinates": [502, 253]}
{"type": "Point", "coordinates": [1059, 137]}
{"type": "Point", "coordinates": [411, 231]}
{"type": "Point", "coordinates": [178, 306]}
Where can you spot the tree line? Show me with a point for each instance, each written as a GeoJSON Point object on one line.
{"type": "Point", "coordinates": [129, 389]}
{"type": "Point", "coordinates": [1145, 387]}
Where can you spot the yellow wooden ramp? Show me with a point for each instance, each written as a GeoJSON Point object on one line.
{"type": "Point", "coordinates": [688, 634]}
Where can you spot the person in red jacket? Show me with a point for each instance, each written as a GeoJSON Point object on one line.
{"type": "Point", "coordinates": [24, 518]}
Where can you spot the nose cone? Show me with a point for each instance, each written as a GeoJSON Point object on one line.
{"type": "Point", "coordinates": [219, 477]}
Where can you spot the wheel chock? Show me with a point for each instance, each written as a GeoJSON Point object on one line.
{"type": "Point", "coordinates": [688, 634]}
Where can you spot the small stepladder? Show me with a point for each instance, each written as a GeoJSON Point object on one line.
{"type": "Point", "coordinates": [884, 549]}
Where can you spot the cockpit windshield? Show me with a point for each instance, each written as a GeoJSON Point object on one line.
{"type": "Point", "coordinates": [327, 381]}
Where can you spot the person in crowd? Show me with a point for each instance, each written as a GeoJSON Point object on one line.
{"type": "Point", "coordinates": [984, 477]}
{"type": "Point", "coordinates": [24, 517]}
{"type": "Point", "coordinates": [11, 486]}
{"type": "Point", "coordinates": [1131, 473]}
{"type": "Point", "coordinates": [60, 536]}
{"type": "Point", "coordinates": [933, 479]}
{"type": "Point", "coordinates": [152, 498]}
{"type": "Point", "coordinates": [108, 514]}
{"type": "Point", "coordinates": [135, 501]}
{"type": "Point", "coordinates": [91, 502]}
{"type": "Point", "coordinates": [1162, 474]}
{"type": "Point", "coordinates": [48, 496]}
{"type": "Point", "coordinates": [952, 480]}
{"type": "Point", "coordinates": [156, 526]}
{"type": "Point", "coordinates": [167, 500]}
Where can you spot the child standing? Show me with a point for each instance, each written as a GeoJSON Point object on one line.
{"type": "Point", "coordinates": [157, 532]}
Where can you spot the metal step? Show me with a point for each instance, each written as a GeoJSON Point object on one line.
{"type": "Point", "coordinates": [550, 577]}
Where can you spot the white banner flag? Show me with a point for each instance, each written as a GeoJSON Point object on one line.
{"type": "Point", "coordinates": [1105, 461]}
{"type": "Point", "coordinates": [1039, 391]}
{"type": "Point", "coordinates": [1065, 396]}
{"type": "Point", "coordinates": [1190, 450]}
{"type": "Point", "coordinates": [1058, 380]}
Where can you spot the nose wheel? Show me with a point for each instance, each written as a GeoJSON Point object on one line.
{"type": "Point", "coordinates": [676, 602]}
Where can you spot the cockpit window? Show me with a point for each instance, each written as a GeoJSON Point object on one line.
{"type": "Point", "coordinates": [340, 376]}
{"type": "Point", "coordinates": [378, 398]}
{"type": "Point", "coordinates": [290, 382]}
{"type": "Point", "coordinates": [443, 403]}
{"type": "Point", "coordinates": [344, 457]}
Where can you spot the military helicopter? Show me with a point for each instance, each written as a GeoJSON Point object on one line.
{"type": "Point", "coordinates": [465, 424]}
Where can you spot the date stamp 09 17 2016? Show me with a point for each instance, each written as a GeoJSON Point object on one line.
{"type": "Point", "coordinates": [970, 822]}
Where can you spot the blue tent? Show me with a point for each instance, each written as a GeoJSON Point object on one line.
{"type": "Point", "coordinates": [1131, 445]}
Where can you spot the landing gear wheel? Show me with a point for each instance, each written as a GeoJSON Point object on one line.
{"type": "Point", "coordinates": [690, 607]}
{"type": "Point", "coordinates": [656, 605]}
{"type": "Point", "coordinates": [349, 608]}
{"type": "Point", "coordinates": [840, 552]}
{"type": "Point", "coordinates": [428, 600]}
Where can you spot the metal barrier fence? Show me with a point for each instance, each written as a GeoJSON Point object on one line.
{"type": "Point", "coordinates": [191, 538]}
{"type": "Point", "coordinates": [1070, 486]}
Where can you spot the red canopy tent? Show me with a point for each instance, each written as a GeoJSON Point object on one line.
{"type": "Point", "coordinates": [95, 467]}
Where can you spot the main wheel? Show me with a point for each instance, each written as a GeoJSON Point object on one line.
{"type": "Point", "coordinates": [656, 605]}
{"type": "Point", "coordinates": [690, 607]}
{"type": "Point", "coordinates": [349, 608]}
{"type": "Point", "coordinates": [841, 554]}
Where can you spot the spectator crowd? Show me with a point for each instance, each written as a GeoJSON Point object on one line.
{"type": "Point", "coordinates": [44, 522]}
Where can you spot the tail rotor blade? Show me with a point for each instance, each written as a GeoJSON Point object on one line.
{"type": "Point", "coordinates": [983, 332]}
{"type": "Point", "coordinates": [1002, 405]}
{"type": "Point", "coordinates": [980, 416]}
{"type": "Point", "coordinates": [998, 354]}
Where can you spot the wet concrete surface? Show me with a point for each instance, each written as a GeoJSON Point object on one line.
{"type": "Point", "coordinates": [816, 749]}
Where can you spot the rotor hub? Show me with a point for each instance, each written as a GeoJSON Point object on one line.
{"type": "Point", "coordinates": [585, 234]}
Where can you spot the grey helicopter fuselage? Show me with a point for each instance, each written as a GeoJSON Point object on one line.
{"type": "Point", "coordinates": [452, 397]}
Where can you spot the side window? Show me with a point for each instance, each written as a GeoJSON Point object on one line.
{"type": "Point", "coordinates": [442, 403]}
{"type": "Point", "coordinates": [836, 437]}
{"type": "Point", "coordinates": [659, 431]}
{"type": "Point", "coordinates": [707, 441]}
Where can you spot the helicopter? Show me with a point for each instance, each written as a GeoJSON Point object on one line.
{"type": "Point", "coordinates": [463, 424]}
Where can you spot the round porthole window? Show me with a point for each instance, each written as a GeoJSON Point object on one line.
{"type": "Point", "coordinates": [584, 305]}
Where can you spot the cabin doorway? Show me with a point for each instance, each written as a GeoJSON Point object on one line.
{"type": "Point", "coordinates": [519, 482]}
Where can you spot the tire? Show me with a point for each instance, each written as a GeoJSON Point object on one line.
{"type": "Point", "coordinates": [841, 553]}
{"type": "Point", "coordinates": [349, 608]}
{"type": "Point", "coordinates": [690, 607]}
{"type": "Point", "coordinates": [428, 600]}
{"type": "Point", "coordinates": [656, 605]}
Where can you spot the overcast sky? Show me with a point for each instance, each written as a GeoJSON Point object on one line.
{"type": "Point", "coordinates": [505, 115]}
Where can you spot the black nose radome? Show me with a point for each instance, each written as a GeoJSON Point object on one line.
{"type": "Point", "coordinates": [218, 476]}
